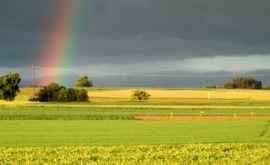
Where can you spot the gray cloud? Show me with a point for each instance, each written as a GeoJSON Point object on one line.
{"type": "Point", "coordinates": [114, 33]}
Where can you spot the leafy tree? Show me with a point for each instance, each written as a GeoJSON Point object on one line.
{"type": "Point", "coordinates": [140, 95]}
{"type": "Point", "coordinates": [84, 82]}
{"type": "Point", "coordinates": [42, 95]}
{"type": "Point", "coordinates": [9, 86]}
{"type": "Point", "coordinates": [72, 94]}
{"type": "Point", "coordinates": [82, 95]}
{"type": "Point", "coordinates": [53, 91]}
{"type": "Point", "coordinates": [243, 83]}
{"type": "Point", "coordinates": [62, 95]}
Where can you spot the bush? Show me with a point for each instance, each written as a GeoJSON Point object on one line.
{"type": "Point", "coordinates": [84, 82]}
{"type": "Point", "coordinates": [243, 83]}
{"type": "Point", "coordinates": [57, 93]}
{"type": "Point", "coordinates": [140, 95]}
{"type": "Point", "coordinates": [82, 95]}
{"type": "Point", "coordinates": [9, 86]}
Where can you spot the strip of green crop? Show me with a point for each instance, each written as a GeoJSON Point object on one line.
{"type": "Point", "coordinates": [65, 117]}
{"type": "Point", "coordinates": [35, 133]}
{"type": "Point", "coordinates": [115, 113]}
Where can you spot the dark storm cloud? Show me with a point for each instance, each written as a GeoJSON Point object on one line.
{"type": "Point", "coordinates": [132, 31]}
{"type": "Point", "coordinates": [22, 24]}
{"type": "Point", "coordinates": [181, 28]}
{"type": "Point", "coordinates": [214, 19]}
{"type": "Point", "coordinates": [129, 30]}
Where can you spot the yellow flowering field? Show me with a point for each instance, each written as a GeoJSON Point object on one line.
{"type": "Point", "coordinates": [144, 154]}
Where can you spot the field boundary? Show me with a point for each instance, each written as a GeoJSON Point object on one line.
{"type": "Point", "coordinates": [78, 105]}
{"type": "Point", "coordinates": [206, 117]}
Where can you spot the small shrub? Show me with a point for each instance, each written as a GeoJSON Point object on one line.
{"type": "Point", "coordinates": [140, 95]}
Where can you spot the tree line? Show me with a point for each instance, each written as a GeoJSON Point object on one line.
{"type": "Point", "coordinates": [9, 88]}
{"type": "Point", "coordinates": [59, 93]}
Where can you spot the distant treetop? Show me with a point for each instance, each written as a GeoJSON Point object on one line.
{"type": "Point", "coordinates": [84, 81]}
{"type": "Point", "coordinates": [243, 83]}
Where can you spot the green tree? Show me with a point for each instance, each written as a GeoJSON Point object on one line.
{"type": "Point", "coordinates": [9, 86]}
{"type": "Point", "coordinates": [244, 83]}
{"type": "Point", "coordinates": [82, 95]}
{"type": "Point", "coordinates": [84, 81]}
{"type": "Point", "coordinates": [62, 95]}
{"type": "Point", "coordinates": [140, 95]}
{"type": "Point", "coordinates": [72, 94]}
{"type": "Point", "coordinates": [53, 91]}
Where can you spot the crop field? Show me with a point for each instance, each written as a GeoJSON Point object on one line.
{"type": "Point", "coordinates": [119, 112]}
{"type": "Point", "coordinates": [186, 126]}
{"type": "Point", "coordinates": [172, 96]}
{"type": "Point", "coordinates": [129, 132]}
{"type": "Point", "coordinates": [241, 154]}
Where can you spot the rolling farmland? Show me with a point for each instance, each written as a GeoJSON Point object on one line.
{"type": "Point", "coordinates": [114, 128]}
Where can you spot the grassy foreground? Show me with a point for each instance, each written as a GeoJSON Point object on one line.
{"type": "Point", "coordinates": [18, 133]}
{"type": "Point", "coordinates": [240, 154]}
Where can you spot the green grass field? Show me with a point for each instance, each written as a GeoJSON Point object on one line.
{"type": "Point", "coordinates": [110, 132]}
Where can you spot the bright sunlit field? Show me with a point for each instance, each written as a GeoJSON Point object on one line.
{"type": "Point", "coordinates": [175, 125]}
{"type": "Point", "coordinates": [169, 96]}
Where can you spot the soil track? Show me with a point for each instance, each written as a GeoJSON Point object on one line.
{"type": "Point", "coordinates": [185, 118]}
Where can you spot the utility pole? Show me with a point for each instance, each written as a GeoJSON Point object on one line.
{"type": "Point", "coordinates": [33, 75]}
{"type": "Point", "coordinates": [33, 83]}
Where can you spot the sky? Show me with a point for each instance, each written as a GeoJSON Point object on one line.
{"type": "Point", "coordinates": [145, 42]}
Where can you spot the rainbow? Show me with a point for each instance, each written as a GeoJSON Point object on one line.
{"type": "Point", "coordinates": [60, 47]}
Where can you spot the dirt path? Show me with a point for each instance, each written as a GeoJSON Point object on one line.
{"type": "Point", "coordinates": [185, 118]}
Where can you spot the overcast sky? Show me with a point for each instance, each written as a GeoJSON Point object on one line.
{"type": "Point", "coordinates": [131, 37]}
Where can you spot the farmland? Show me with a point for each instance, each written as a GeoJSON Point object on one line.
{"type": "Point", "coordinates": [170, 96]}
{"type": "Point", "coordinates": [130, 132]}
{"type": "Point", "coordinates": [142, 154]}
{"type": "Point", "coordinates": [216, 124]}
{"type": "Point", "coordinates": [71, 112]}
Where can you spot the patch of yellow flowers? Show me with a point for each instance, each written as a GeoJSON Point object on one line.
{"type": "Point", "coordinates": [142, 154]}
